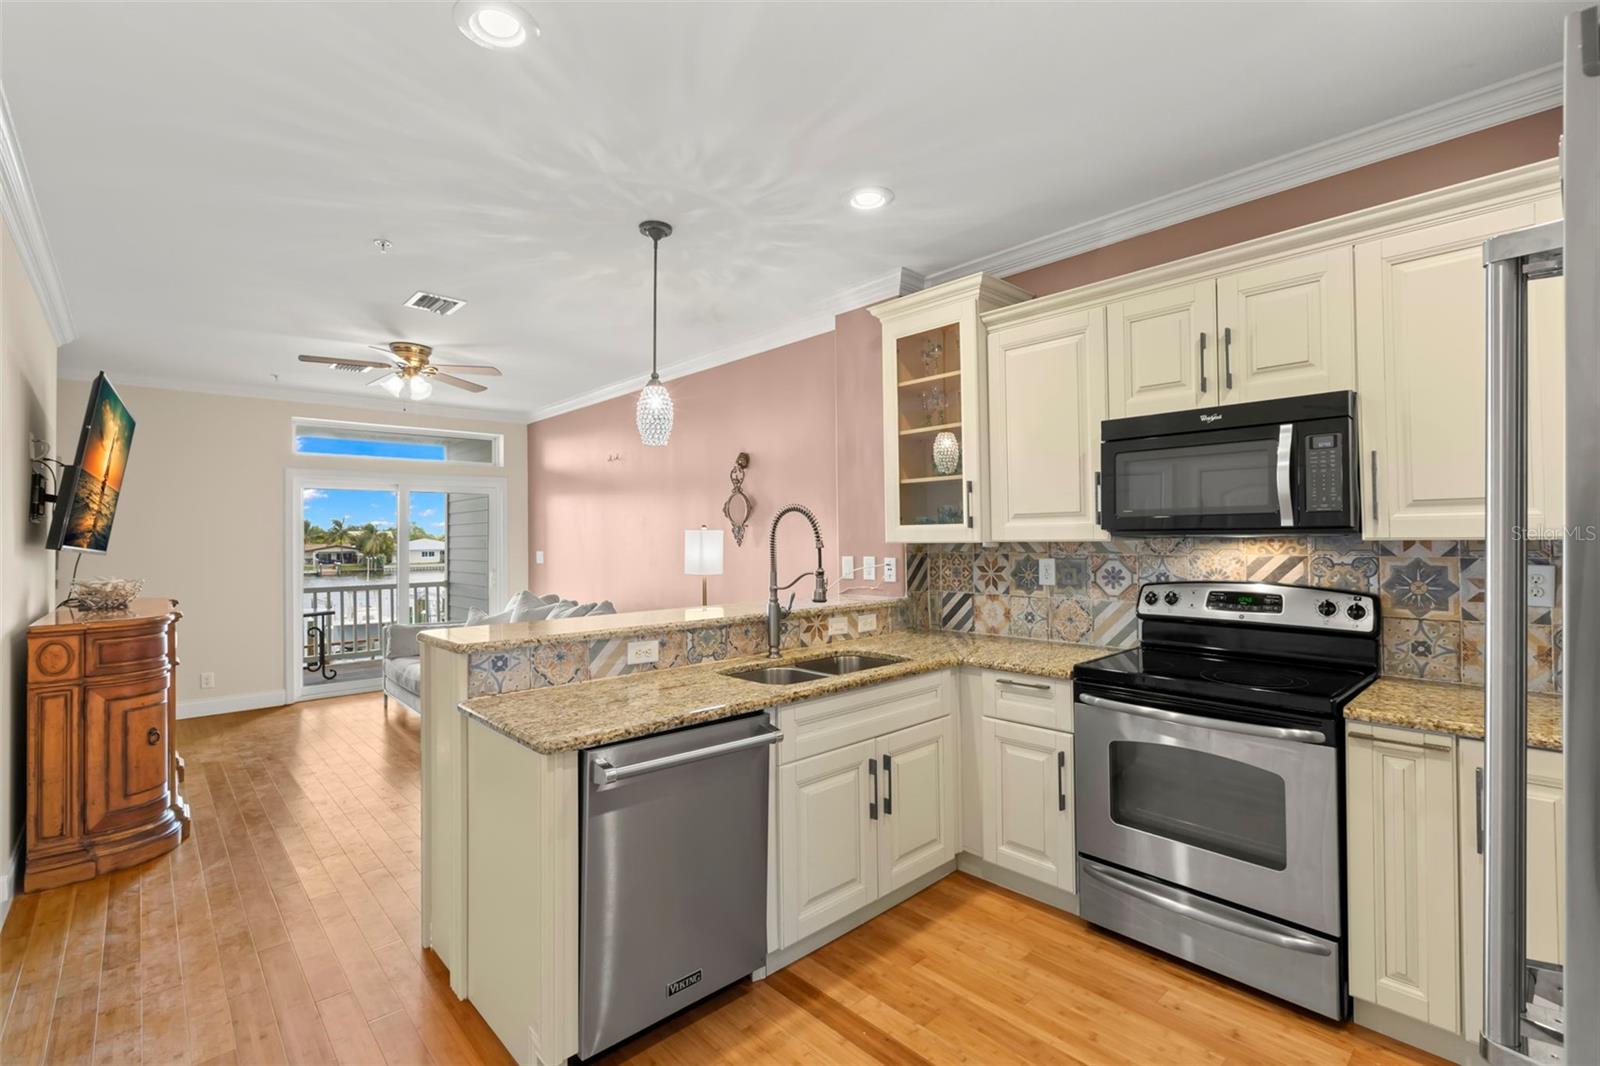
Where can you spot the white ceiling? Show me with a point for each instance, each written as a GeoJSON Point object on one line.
{"type": "Point", "coordinates": [211, 176]}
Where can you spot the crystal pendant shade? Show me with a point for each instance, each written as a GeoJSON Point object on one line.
{"type": "Point", "coordinates": [946, 453]}
{"type": "Point", "coordinates": [653, 415]}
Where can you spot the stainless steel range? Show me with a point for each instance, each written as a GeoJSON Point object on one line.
{"type": "Point", "coordinates": [1210, 780]}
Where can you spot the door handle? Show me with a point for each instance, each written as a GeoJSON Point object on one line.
{"type": "Point", "coordinates": [1202, 362]}
{"type": "Point", "coordinates": [1478, 775]}
{"type": "Point", "coordinates": [872, 772]}
{"type": "Point", "coordinates": [153, 737]}
{"type": "Point", "coordinates": [1097, 519]}
{"type": "Point", "coordinates": [1227, 357]}
{"type": "Point", "coordinates": [1061, 789]}
{"type": "Point", "coordinates": [603, 773]}
{"type": "Point", "coordinates": [888, 787]}
{"type": "Point", "coordinates": [1037, 686]}
{"type": "Point", "coordinates": [1374, 485]}
{"type": "Point", "coordinates": [1285, 468]}
{"type": "Point", "coordinates": [969, 504]}
{"type": "Point", "coordinates": [1220, 725]}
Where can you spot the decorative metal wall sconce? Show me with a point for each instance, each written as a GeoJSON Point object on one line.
{"type": "Point", "coordinates": [739, 506]}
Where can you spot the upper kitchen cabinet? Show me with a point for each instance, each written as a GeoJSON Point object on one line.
{"type": "Point", "coordinates": [935, 408]}
{"type": "Point", "coordinates": [1161, 350]}
{"type": "Point", "coordinates": [1287, 328]}
{"type": "Point", "coordinates": [1420, 345]}
{"type": "Point", "coordinates": [1047, 397]}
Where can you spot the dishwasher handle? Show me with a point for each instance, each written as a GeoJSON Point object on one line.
{"type": "Point", "coordinates": [603, 773]}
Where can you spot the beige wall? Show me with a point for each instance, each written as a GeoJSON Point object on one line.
{"type": "Point", "coordinates": [27, 409]}
{"type": "Point", "coordinates": [202, 520]}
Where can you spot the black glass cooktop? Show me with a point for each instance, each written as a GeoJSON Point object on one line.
{"type": "Point", "coordinates": [1273, 685]}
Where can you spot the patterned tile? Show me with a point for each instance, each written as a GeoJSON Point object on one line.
{"type": "Point", "coordinates": [1474, 595]}
{"type": "Point", "coordinates": [992, 614]}
{"type": "Point", "coordinates": [494, 672]}
{"type": "Point", "coordinates": [1167, 568]}
{"type": "Point", "coordinates": [1278, 569]}
{"type": "Point", "coordinates": [609, 658]}
{"type": "Point", "coordinates": [1166, 545]}
{"type": "Point", "coordinates": [1419, 549]}
{"type": "Point", "coordinates": [813, 629]}
{"type": "Point", "coordinates": [1541, 660]}
{"type": "Point", "coordinates": [1116, 623]}
{"type": "Point", "coordinates": [1352, 571]}
{"type": "Point", "coordinates": [916, 572]}
{"type": "Point", "coordinates": [989, 573]}
{"type": "Point", "coordinates": [1024, 572]}
{"type": "Point", "coordinates": [1474, 645]}
{"type": "Point", "coordinates": [747, 638]}
{"type": "Point", "coordinates": [707, 645]}
{"type": "Point", "coordinates": [1256, 547]}
{"type": "Point", "coordinates": [1071, 618]}
{"type": "Point", "coordinates": [1030, 616]}
{"type": "Point", "coordinates": [1341, 542]}
{"type": "Point", "coordinates": [950, 573]}
{"type": "Point", "coordinates": [1114, 577]}
{"type": "Point", "coordinates": [1217, 564]}
{"type": "Point", "coordinates": [956, 612]}
{"type": "Point", "coordinates": [559, 664]}
{"type": "Point", "coordinates": [1417, 647]}
{"type": "Point", "coordinates": [1422, 587]}
{"type": "Point", "coordinates": [1558, 644]}
{"type": "Point", "coordinates": [675, 647]}
{"type": "Point", "coordinates": [1073, 573]}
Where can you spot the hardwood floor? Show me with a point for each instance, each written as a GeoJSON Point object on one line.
{"type": "Point", "coordinates": [286, 930]}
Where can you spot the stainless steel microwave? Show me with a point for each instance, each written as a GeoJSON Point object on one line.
{"type": "Point", "coordinates": [1258, 467]}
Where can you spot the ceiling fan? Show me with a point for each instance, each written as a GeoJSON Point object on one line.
{"type": "Point", "coordinates": [411, 371]}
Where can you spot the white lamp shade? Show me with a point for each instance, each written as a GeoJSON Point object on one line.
{"type": "Point", "coordinates": [702, 552]}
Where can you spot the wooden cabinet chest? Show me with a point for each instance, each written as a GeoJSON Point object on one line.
{"type": "Point", "coordinates": [103, 778]}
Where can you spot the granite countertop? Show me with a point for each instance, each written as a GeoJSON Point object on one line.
{"type": "Point", "coordinates": [1458, 709]}
{"type": "Point", "coordinates": [631, 623]}
{"type": "Point", "coordinates": [581, 715]}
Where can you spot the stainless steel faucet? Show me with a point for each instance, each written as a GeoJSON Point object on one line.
{"type": "Point", "coordinates": [775, 610]}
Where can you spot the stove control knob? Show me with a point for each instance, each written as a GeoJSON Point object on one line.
{"type": "Point", "coordinates": [1172, 599]}
{"type": "Point", "coordinates": [1356, 612]}
{"type": "Point", "coordinates": [1327, 609]}
{"type": "Point", "coordinates": [1150, 598]}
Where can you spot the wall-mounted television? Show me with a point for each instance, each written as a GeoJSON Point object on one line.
{"type": "Point", "coordinates": [86, 502]}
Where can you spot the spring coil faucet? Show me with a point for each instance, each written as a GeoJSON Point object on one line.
{"type": "Point", "coordinates": [775, 610]}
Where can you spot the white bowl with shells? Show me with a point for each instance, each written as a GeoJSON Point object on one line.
{"type": "Point", "coordinates": [106, 593]}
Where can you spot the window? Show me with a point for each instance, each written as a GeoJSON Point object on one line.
{"type": "Point", "coordinates": [314, 436]}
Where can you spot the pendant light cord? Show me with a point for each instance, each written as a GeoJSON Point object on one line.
{"type": "Point", "coordinates": [655, 282]}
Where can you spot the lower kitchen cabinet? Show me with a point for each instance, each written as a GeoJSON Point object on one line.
{"type": "Point", "coordinates": [1027, 810]}
{"type": "Point", "coordinates": [917, 820]}
{"type": "Point", "coordinates": [828, 865]}
{"type": "Point", "coordinates": [1401, 825]}
{"type": "Point", "coordinates": [1547, 870]}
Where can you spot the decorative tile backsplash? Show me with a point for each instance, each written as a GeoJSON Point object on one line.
{"type": "Point", "coordinates": [561, 662]}
{"type": "Point", "coordinates": [1432, 592]}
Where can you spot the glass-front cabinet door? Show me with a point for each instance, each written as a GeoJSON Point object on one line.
{"type": "Point", "coordinates": [934, 408]}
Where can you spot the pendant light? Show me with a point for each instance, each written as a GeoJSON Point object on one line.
{"type": "Point", "coordinates": [653, 415]}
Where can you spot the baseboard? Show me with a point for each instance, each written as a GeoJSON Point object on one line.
{"type": "Point", "coordinates": [777, 960]}
{"type": "Point", "coordinates": [1407, 1030]}
{"type": "Point", "coordinates": [240, 701]}
{"type": "Point", "coordinates": [9, 882]}
{"type": "Point", "coordinates": [1038, 891]}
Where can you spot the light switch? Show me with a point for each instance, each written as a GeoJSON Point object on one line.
{"type": "Point", "coordinates": [1047, 572]}
{"type": "Point", "coordinates": [838, 626]}
{"type": "Point", "coordinates": [869, 568]}
{"type": "Point", "coordinates": [643, 651]}
{"type": "Point", "coordinates": [847, 566]}
{"type": "Point", "coordinates": [538, 558]}
{"type": "Point", "coordinates": [890, 570]}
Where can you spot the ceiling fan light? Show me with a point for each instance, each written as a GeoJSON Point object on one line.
{"type": "Point", "coordinates": [497, 24]}
{"type": "Point", "coordinates": [653, 415]}
{"type": "Point", "coordinates": [392, 384]}
{"type": "Point", "coordinates": [416, 388]}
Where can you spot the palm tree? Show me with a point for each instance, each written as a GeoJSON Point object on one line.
{"type": "Point", "coordinates": [337, 533]}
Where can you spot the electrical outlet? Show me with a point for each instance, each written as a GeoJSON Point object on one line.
{"type": "Point", "coordinates": [838, 626]}
{"type": "Point", "coordinates": [641, 652]}
{"type": "Point", "coordinates": [1047, 573]}
{"type": "Point", "coordinates": [847, 566]}
{"type": "Point", "coordinates": [890, 570]}
{"type": "Point", "coordinates": [869, 568]}
{"type": "Point", "coordinates": [1541, 585]}
{"type": "Point", "coordinates": [208, 680]}
{"type": "Point", "coordinates": [866, 622]}
{"type": "Point", "coordinates": [538, 558]}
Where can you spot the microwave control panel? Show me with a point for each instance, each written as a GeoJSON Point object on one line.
{"type": "Point", "coordinates": [1324, 466]}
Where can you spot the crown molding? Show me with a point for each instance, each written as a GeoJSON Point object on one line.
{"type": "Point", "coordinates": [26, 225]}
{"type": "Point", "coordinates": [284, 394]}
{"type": "Point", "coordinates": [818, 320]}
{"type": "Point", "coordinates": [1504, 101]}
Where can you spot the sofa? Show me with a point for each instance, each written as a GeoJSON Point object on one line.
{"type": "Point", "coordinates": [402, 659]}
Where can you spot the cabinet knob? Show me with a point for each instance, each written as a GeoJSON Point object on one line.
{"type": "Point", "coordinates": [153, 737]}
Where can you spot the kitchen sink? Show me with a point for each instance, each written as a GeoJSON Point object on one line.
{"type": "Point", "coordinates": [777, 675]}
{"type": "Point", "coordinates": [839, 665]}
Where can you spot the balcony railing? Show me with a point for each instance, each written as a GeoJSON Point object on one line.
{"type": "Point", "coordinates": [360, 611]}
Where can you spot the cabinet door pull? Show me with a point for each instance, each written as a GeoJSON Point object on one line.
{"type": "Point", "coordinates": [1202, 362]}
{"type": "Point", "coordinates": [1061, 789]}
{"type": "Point", "coordinates": [153, 737]}
{"type": "Point", "coordinates": [872, 772]}
{"type": "Point", "coordinates": [1227, 356]}
{"type": "Point", "coordinates": [1097, 520]}
{"type": "Point", "coordinates": [1374, 486]}
{"type": "Point", "coordinates": [888, 787]}
{"type": "Point", "coordinates": [969, 504]}
{"type": "Point", "coordinates": [1478, 775]}
{"type": "Point", "coordinates": [1036, 685]}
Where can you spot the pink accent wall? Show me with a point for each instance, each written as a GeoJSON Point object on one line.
{"type": "Point", "coordinates": [810, 416]}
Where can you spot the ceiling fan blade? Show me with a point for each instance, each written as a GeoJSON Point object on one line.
{"type": "Point", "coordinates": [381, 377]}
{"type": "Point", "coordinates": [328, 361]}
{"type": "Point", "coordinates": [469, 368]}
{"type": "Point", "coordinates": [460, 383]}
{"type": "Point", "coordinates": [384, 348]}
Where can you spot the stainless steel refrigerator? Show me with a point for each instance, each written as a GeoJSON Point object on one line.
{"type": "Point", "coordinates": [1535, 1012]}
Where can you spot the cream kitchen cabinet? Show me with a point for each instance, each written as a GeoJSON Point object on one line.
{"type": "Point", "coordinates": [1401, 868]}
{"type": "Point", "coordinates": [1420, 345]}
{"type": "Point", "coordinates": [866, 798]}
{"type": "Point", "coordinates": [1547, 870]}
{"type": "Point", "coordinates": [1161, 350]}
{"type": "Point", "coordinates": [1047, 397]}
{"type": "Point", "coordinates": [935, 410]}
{"type": "Point", "coordinates": [1028, 811]}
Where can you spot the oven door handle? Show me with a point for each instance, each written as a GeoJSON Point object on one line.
{"type": "Point", "coordinates": [1285, 466]}
{"type": "Point", "coordinates": [1223, 725]}
{"type": "Point", "coordinates": [1156, 895]}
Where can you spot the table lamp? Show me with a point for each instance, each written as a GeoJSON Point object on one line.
{"type": "Point", "coordinates": [702, 555]}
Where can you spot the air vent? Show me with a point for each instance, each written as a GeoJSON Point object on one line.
{"type": "Point", "coordinates": [350, 368]}
{"type": "Point", "coordinates": [439, 305]}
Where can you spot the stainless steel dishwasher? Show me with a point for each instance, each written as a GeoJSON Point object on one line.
{"type": "Point", "coordinates": [674, 873]}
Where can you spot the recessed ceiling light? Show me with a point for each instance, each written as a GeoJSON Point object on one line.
{"type": "Point", "coordinates": [494, 23]}
{"type": "Point", "coordinates": [870, 198]}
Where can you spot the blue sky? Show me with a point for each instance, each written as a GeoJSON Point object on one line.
{"type": "Point", "coordinates": [386, 449]}
{"type": "Point", "coordinates": [357, 507]}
